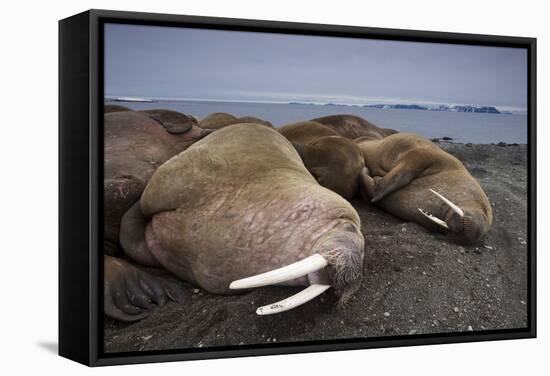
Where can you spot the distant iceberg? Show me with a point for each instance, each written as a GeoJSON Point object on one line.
{"type": "Point", "coordinates": [443, 107]}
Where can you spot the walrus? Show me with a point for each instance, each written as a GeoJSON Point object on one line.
{"type": "Point", "coordinates": [174, 122]}
{"type": "Point", "coordinates": [134, 146]}
{"type": "Point", "coordinates": [108, 108]}
{"type": "Point", "coordinates": [414, 179]}
{"type": "Point", "coordinates": [334, 161]}
{"type": "Point", "coordinates": [353, 127]}
{"type": "Point", "coordinates": [220, 120]}
{"type": "Point", "coordinates": [238, 210]}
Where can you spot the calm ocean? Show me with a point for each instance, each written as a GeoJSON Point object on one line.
{"type": "Point", "coordinates": [461, 126]}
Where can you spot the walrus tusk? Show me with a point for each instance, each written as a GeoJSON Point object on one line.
{"type": "Point", "coordinates": [454, 207]}
{"type": "Point", "coordinates": [286, 273]}
{"type": "Point", "coordinates": [293, 301]}
{"type": "Point", "coordinates": [433, 218]}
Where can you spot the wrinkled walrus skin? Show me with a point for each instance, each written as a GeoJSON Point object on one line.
{"type": "Point", "coordinates": [353, 127]}
{"type": "Point", "coordinates": [406, 167]}
{"type": "Point", "coordinates": [240, 202]}
{"type": "Point", "coordinates": [135, 145]}
{"type": "Point", "coordinates": [333, 160]}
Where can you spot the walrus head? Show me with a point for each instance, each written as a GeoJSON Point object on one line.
{"type": "Point", "coordinates": [336, 261]}
{"type": "Point", "coordinates": [462, 224]}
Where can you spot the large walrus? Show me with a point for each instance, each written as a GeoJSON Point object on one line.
{"type": "Point", "coordinates": [240, 202]}
{"type": "Point", "coordinates": [334, 161]}
{"type": "Point", "coordinates": [135, 145]}
{"type": "Point", "coordinates": [416, 180]}
{"type": "Point", "coordinates": [219, 120]}
{"type": "Point", "coordinates": [353, 127]}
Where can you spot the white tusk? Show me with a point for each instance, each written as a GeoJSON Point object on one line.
{"type": "Point", "coordinates": [286, 273]}
{"type": "Point", "coordinates": [455, 208]}
{"type": "Point", "coordinates": [433, 218]}
{"type": "Point", "coordinates": [293, 301]}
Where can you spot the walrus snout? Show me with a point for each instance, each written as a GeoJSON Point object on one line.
{"type": "Point", "coordinates": [468, 229]}
{"type": "Point", "coordinates": [464, 225]}
{"type": "Point", "coordinates": [337, 262]}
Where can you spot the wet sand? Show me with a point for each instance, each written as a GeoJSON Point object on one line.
{"type": "Point", "coordinates": [415, 282]}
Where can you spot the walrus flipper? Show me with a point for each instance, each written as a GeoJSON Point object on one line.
{"type": "Point", "coordinates": [130, 294]}
{"type": "Point", "coordinates": [132, 236]}
{"type": "Point", "coordinates": [367, 185]}
{"type": "Point", "coordinates": [410, 166]}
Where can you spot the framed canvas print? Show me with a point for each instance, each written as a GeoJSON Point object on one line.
{"type": "Point", "coordinates": [236, 187]}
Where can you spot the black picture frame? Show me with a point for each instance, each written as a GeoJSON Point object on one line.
{"type": "Point", "coordinates": [81, 185]}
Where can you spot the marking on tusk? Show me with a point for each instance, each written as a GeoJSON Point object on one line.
{"type": "Point", "coordinates": [454, 207]}
{"type": "Point", "coordinates": [293, 301]}
{"type": "Point", "coordinates": [433, 218]}
{"type": "Point", "coordinates": [286, 273]}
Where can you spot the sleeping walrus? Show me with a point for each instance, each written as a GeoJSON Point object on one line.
{"type": "Point", "coordinates": [415, 180]}
{"type": "Point", "coordinates": [219, 120]}
{"type": "Point", "coordinates": [135, 145]}
{"type": "Point", "coordinates": [352, 126]}
{"type": "Point", "coordinates": [239, 210]}
{"type": "Point", "coordinates": [334, 161]}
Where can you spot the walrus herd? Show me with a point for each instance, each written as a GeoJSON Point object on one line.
{"type": "Point", "coordinates": [230, 203]}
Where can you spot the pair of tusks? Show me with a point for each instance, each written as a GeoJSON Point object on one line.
{"type": "Point", "coordinates": [286, 273]}
{"type": "Point", "coordinates": [451, 205]}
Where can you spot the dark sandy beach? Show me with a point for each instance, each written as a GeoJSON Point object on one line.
{"type": "Point", "coordinates": [415, 282]}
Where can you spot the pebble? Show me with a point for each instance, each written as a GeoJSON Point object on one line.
{"type": "Point", "coordinates": [196, 291]}
{"type": "Point", "coordinates": [459, 261]}
{"type": "Point", "coordinates": [522, 302]}
{"type": "Point", "coordinates": [488, 247]}
{"type": "Point", "coordinates": [146, 338]}
{"type": "Point", "coordinates": [274, 339]}
{"type": "Point", "coordinates": [386, 314]}
{"type": "Point", "coordinates": [455, 309]}
{"type": "Point", "coordinates": [423, 273]}
{"type": "Point", "coordinates": [412, 331]}
{"type": "Point", "coordinates": [470, 329]}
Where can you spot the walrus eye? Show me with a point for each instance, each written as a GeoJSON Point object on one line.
{"type": "Point", "coordinates": [286, 273]}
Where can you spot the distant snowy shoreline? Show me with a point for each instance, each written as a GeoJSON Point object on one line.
{"type": "Point", "coordinates": [396, 106]}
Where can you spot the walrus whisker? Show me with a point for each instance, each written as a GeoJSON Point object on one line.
{"type": "Point", "coordinates": [286, 273]}
{"type": "Point", "coordinates": [433, 218]}
{"type": "Point", "coordinates": [454, 207]}
{"type": "Point", "coordinates": [293, 301]}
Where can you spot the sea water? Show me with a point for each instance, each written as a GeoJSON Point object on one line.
{"type": "Point", "coordinates": [464, 127]}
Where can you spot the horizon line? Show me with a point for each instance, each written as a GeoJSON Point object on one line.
{"type": "Point", "coordinates": [312, 102]}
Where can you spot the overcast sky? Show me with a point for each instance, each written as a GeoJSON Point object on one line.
{"type": "Point", "coordinates": [165, 62]}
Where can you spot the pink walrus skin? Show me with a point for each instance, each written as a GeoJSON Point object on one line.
{"type": "Point", "coordinates": [239, 203]}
